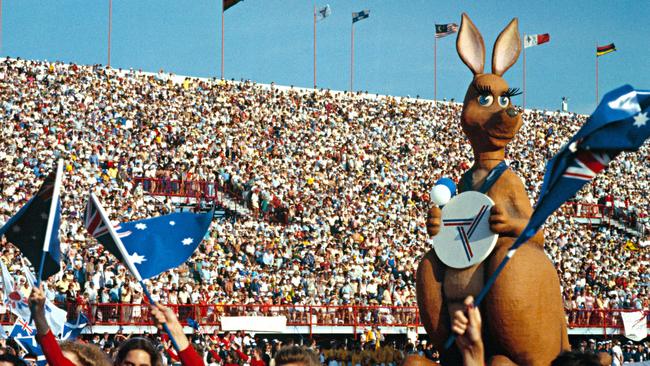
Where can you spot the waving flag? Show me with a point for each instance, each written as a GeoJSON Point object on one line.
{"type": "Point", "coordinates": [621, 122]}
{"type": "Point", "coordinates": [603, 50]}
{"type": "Point", "coordinates": [22, 329]}
{"type": "Point", "coordinates": [32, 347]}
{"type": "Point", "coordinates": [323, 12]}
{"type": "Point", "coordinates": [357, 16]}
{"type": "Point", "coordinates": [227, 4]}
{"type": "Point", "coordinates": [14, 300]}
{"type": "Point", "coordinates": [35, 228]}
{"type": "Point", "coordinates": [55, 316]}
{"type": "Point", "coordinates": [152, 246]}
{"type": "Point", "coordinates": [443, 30]}
{"type": "Point", "coordinates": [531, 40]}
{"type": "Point", "coordinates": [71, 331]}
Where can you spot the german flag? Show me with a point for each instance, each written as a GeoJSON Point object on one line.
{"type": "Point", "coordinates": [603, 50]}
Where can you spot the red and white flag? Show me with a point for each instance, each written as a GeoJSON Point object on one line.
{"type": "Point", "coordinates": [531, 40]}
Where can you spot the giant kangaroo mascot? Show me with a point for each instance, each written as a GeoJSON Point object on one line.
{"type": "Point", "coordinates": [523, 316]}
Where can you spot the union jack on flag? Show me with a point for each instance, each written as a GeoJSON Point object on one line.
{"type": "Point", "coordinates": [587, 165]}
{"type": "Point", "coordinates": [94, 223]}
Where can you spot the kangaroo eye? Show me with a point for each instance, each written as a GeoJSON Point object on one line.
{"type": "Point", "coordinates": [485, 100]}
{"type": "Point", "coordinates": [503, 101]}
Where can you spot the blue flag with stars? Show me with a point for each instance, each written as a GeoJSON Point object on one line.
{"type": "Point", "coordinates": [621, 122]}
{"type": "Point", "coordinates": [161, 243]}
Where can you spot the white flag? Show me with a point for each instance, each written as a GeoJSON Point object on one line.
{"type": "Point", "coordinates": [55, 317]}
{"type": "Point", "coordinates": [13, 299]}
{"type": "Point", "coordinates": [635, 325]}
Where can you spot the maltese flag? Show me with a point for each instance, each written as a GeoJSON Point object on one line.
{"type": "Point", "coordinates": [531, 40]}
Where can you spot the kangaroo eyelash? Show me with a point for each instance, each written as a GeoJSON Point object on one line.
{"type": "Point", "coordinates": [483, 89]}
{"type": "Point", "coordinates": [511, 92]}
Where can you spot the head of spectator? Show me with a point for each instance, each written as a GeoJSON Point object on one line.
{"type": "Point", "coordinates": [296, 356]}
{"type": "Point", "coordinates": [576, 358]}
{"type": "Point", "coordinates": [7, 359]}
{"type": "Point", "coordinates": [137, 352]}
{"type": "Point", "coordinates": [84, 354]}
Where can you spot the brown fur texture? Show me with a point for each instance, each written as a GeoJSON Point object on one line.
{"type": "Point", "coordinates": [523, 317]}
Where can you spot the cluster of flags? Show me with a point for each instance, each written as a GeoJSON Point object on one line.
{"type": "Point", "coordinates": [146, 247]}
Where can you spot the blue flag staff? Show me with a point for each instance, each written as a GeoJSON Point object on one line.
{"type": "Point", "coordinates": [129, 264]}
{"type": "Point", "coordinates": [621, 122]}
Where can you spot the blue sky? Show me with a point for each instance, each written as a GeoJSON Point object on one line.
{"type": "Point", "coordinates": [271, 40]}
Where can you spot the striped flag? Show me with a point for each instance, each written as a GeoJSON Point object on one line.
{"type": "Point", "coordinates": [603, 50]}
{"type": "Point", "coordinates": [323, 12]}
{"type": "Point", "coordinates": [227, 4]}
{"type": "Point", "coordinates": [363, 14]}
{"type": "Point", "coordinates": [531, 40]}
{"type": "Point", "coordinates": [443, 30]}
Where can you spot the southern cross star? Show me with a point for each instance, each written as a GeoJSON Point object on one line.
{"type": "Point", "coordinates": [140, 226]}
{"type": "Point", "coordinates": [137, 258]}
{"type": "Point", "coordinates": [172, 223]}
{"type": "Point", "coordinates": [188, 241]}
{"type": "Point", "coordinates": [640, 119]}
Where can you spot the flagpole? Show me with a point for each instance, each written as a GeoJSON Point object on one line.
{"type": "Point", "coordinates": [314, 46]}
{"type": "Point", "coordinates": [596, 73]}
{"type": "Point", "coordinates": [222, 38]}
{"type": "Point", "coordinates": [435, 68]}
{"type": "Point", "coordinates": [132, 268]}
{"type": "Point", "coordinates": [50, 219]}
{"type": "Point", "coordinates": [352, 59]}
{"type": "Point", "coordinates": [110, 25]}
{"type": "Point", "coordinates": [524, 78]}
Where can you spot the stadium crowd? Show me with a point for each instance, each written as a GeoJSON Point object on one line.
{"type": "Point", "coordinates": [340, 182]}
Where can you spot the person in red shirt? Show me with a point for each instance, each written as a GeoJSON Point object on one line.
{"type": "Point", "coordinates": [135, 351]}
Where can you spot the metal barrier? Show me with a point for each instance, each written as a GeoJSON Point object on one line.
{"type": "Point", "coordinates": [303, 315]}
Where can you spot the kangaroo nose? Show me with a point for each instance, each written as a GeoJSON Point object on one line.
{"type": "Point", "coordinates": [511, 112]}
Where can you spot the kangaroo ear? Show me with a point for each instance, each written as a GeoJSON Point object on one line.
{"type": "Point", "coordinates": [470, 46]}
{"type": "Point", "coordinates": [506, 48]}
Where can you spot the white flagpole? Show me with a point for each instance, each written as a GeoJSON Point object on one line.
{"type": "Point", "coordinates": [50, 220]}
{"type": "Point", "coordinates": [129, 264]}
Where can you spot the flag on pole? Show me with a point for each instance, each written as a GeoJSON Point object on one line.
{"type": "Point", "coordinates": [323, 12]}
{"type": "Point", "coordinates": [151, 246]}
{"type": "Point", "coordinates": [603, 50]}
{"type": "Point", "coordinates": [531, 40]}
{"type": "Point", "coordinates": [35, 228]}
{"type": "Point", "coordinates": [357, 16]}
{"type": "Point", "coordinates": [443, 30]}
{"type": "Point", "coordinates": [227, 4]}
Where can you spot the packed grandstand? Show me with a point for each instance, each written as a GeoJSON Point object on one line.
{"type": "Point", "coordinates": [333, 189]}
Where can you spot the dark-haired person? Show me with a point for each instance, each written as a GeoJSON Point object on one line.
{"type": "Point", "coordinates": [8, 359]}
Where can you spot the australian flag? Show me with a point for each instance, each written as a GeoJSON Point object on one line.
{"type": "Point", "coordinates": [35, 228]}
{"type": "Point", "coordinates": [151, 246]}
{"type": "Point", "coordinates": [621, 122]}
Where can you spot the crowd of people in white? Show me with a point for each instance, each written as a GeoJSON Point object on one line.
{"type": "Point", "coordinates": [338, 184]}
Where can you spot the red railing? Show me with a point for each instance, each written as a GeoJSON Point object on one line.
{"type": "Point", "coordinates": [306, 315]}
